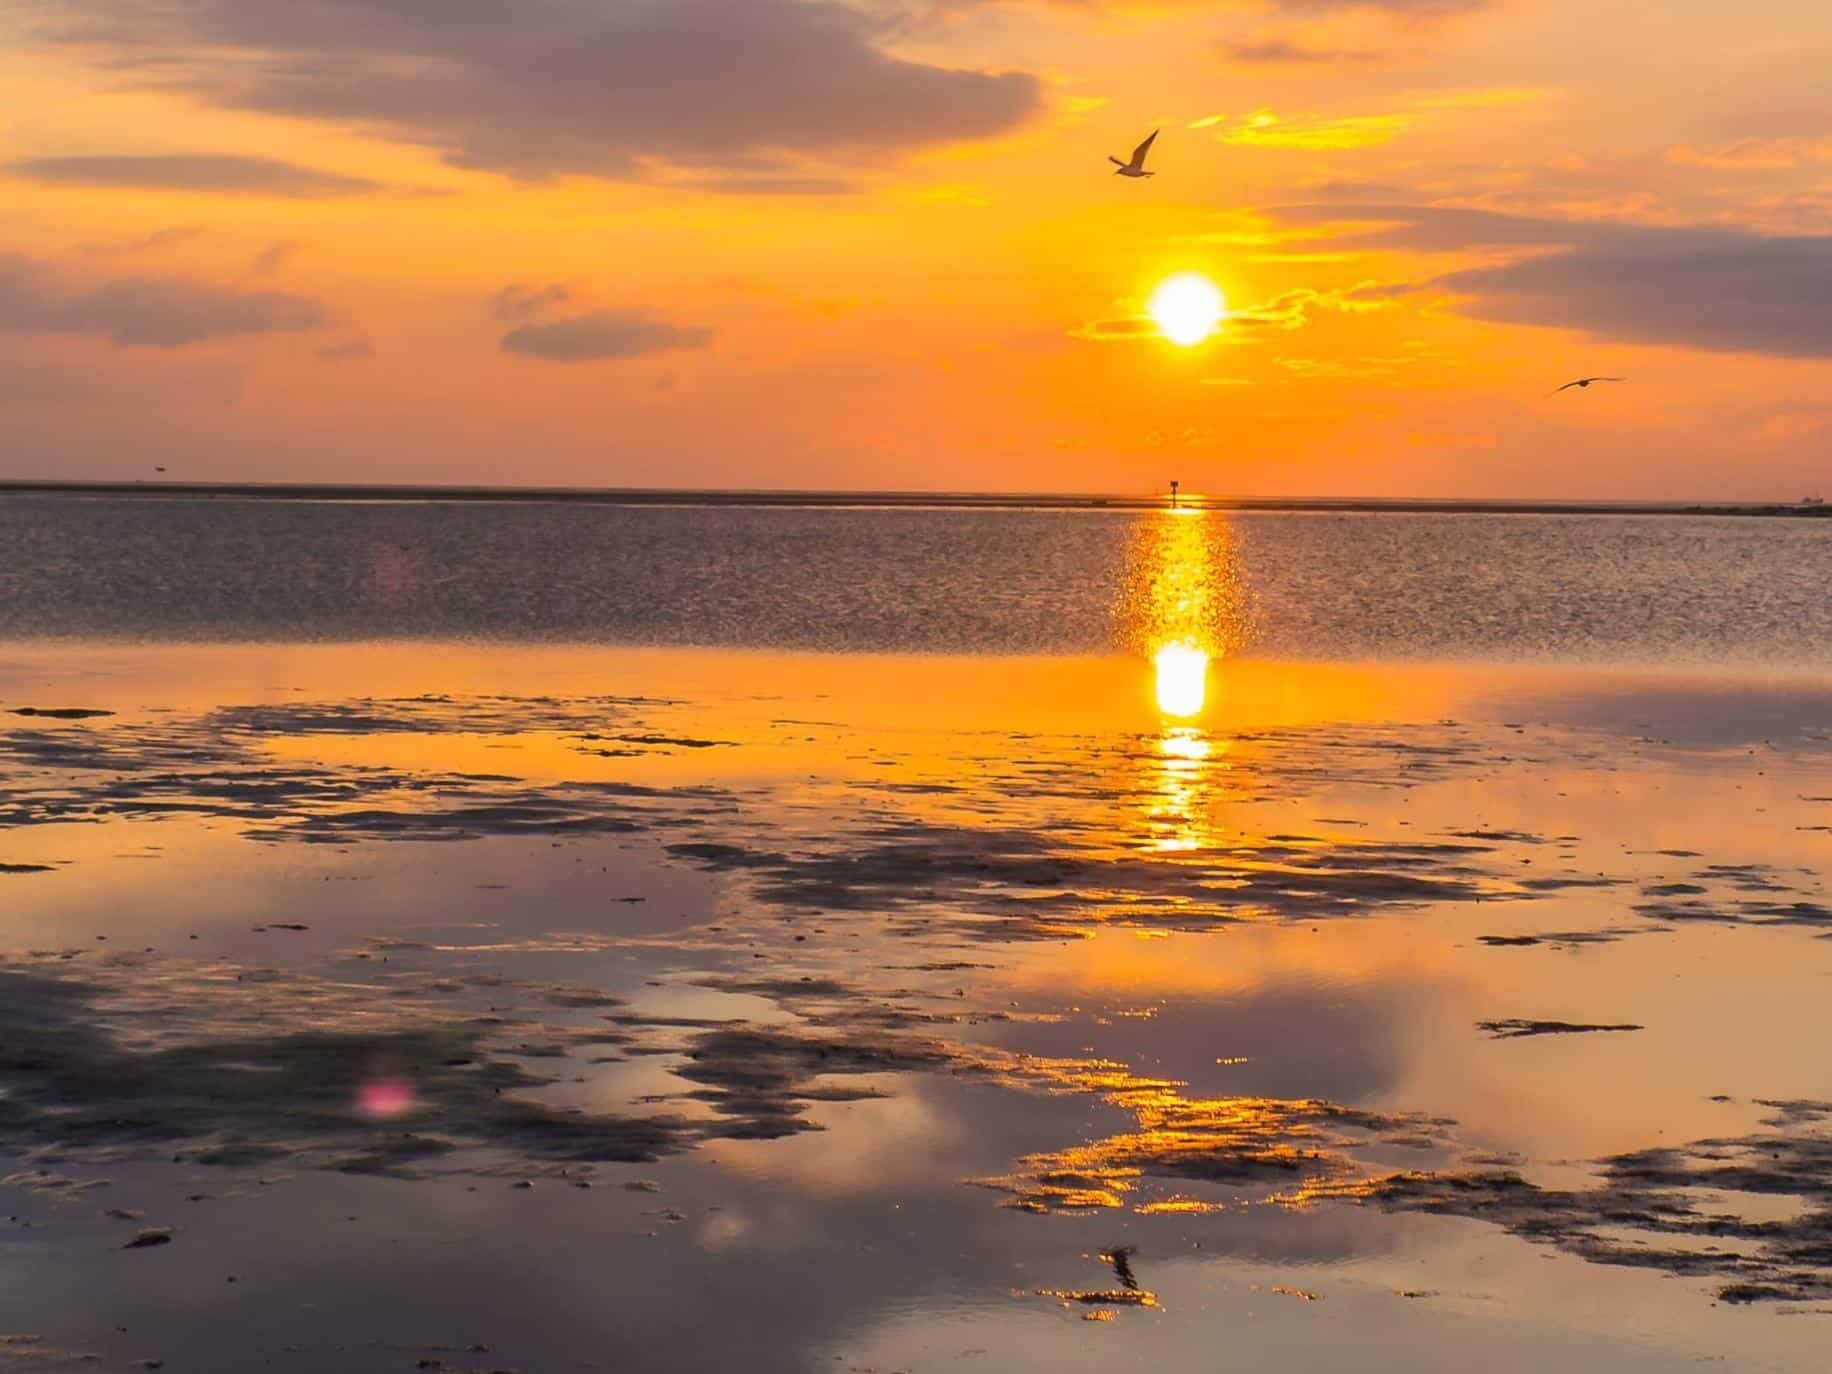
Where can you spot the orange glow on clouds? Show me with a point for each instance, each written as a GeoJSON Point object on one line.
{"type": "Point", "coordinates": [411, 288]}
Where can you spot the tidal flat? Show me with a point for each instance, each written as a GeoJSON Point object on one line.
{"type": "Point", "coordinates": [385, 1006]}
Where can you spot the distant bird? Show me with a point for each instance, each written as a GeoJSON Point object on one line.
{"type": "Point", "coordinates": [1135, 168]}
{"type": "Point", "coordinates": [1585, 381]}
{"type": "Point", "coordinates": [1120, 1257]}
{"type": "Point", "coordinates": [157, 469]}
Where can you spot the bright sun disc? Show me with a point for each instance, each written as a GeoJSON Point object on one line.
{"type": "Point", "coordinates": [1187, 307]}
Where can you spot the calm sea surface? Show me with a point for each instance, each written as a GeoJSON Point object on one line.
{"type": "Point", "coordinates": [1588, 588]}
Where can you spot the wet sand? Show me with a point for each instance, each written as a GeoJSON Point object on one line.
{"type": "Point", "coordinates": [370, 1006]}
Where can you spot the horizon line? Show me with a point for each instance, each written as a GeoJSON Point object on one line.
{"type": "Point", "coordinates": [814, 498]}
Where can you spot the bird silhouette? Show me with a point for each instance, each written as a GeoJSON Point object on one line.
{"type": "Point", "coordinates": [1135, 168]}
{"type": "Point", "coordinates": [1120, 1257]}
{"type": "Point", "coordinates": [1585, 381]}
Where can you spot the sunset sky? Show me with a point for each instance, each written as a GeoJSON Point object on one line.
{"type": "Point", "coordinates": [877, 245]}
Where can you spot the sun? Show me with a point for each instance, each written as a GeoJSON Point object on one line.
{"type": "Point", "coordinates": [1187, 307]}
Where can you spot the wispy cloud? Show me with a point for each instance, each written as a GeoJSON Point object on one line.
{"type": "Point", "coordinates": [146, 243]}
{"type": "Point", "coordinates": [602, 335]}
{"type": "Point", "coordinates": [144, 312]}
{"type": "Point", "coordinates": [195, 172]}
{"type": "Point", "coordinates": [1405, 9]}
{"type": "Point", "coordinates": [1122, 328]}
{"type": "Point", "coordinates": [1753, 154]}
{"type": "Point", "coordinates": [518, 302]}
{"type": "Point", "coordinates": [1283, 313]}
{"type": "Point", "coordinates": [275, 256]}
{"type": "Point", "coordinates": [1314, 133]}
{"type": "Point", "coordinates": [347, 350]}
{"type": "Point", "coordinates": [1485, 97]}
{"type": "Point", "coordinates": [1276, 51]}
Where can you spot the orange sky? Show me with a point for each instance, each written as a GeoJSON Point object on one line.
{"type": "Point", "coordinates": [800, 243]}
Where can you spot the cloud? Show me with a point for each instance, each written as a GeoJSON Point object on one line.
{"type": "Point", "coordinates": [144, 312]}
{"type": "Point", "coordinates": [1126, 327]}
{"type": "Point", "coordinates": [347, 350]}
{"type": "Point", "coordinates": [1486, 97]}
{"type": "Point", "coordinates": [1416, 10]}
{"type": "Point", "coordinates": [1286, 311]}
{"type": "Point", "coordinates": [1286, 51]}
{"type": "Point", "coordinates": [1335, 369]}
{"type": "Point", "coordinates": [601, 335]}
{"type": "Point", "coordinates": [192, 172]}
{"type": "Point", "coordinates": [146, 243]}
{"type": "Point", "coordinates": [1703, 287]}
{"type": "Point", "coordinates": [1315, 133]}
{"type": "Point", "coordinates": [1753, 154]}
{"type": "Point", "coordinates": [1720, 291]}
{"type": "Point", "coordinates": [1403, 9]}
{"type": "Point", "coordinates": [539, 88]}
{"type": "Point", "coordinates": [1346, 188]}
{"type": "Point", "coordinates": [1439, 228]}
{"type": "Point", "coordinates": [275, 256]}
{"type": "Point", "coordinates": [518, 302]}
{"type": "Point", "coordinates": [775, 185]}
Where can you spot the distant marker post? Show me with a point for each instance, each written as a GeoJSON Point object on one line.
{"type": "Point", "coordinates": [1173, 493]}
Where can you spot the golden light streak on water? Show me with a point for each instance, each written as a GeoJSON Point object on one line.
{"type": "Point", "coordinates": [1183, 679]}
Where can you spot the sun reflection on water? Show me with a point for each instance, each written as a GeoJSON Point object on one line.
{"type": "Point", "coordinates": [1183, 606]}
{"type": "Point", "coordinates": [1183, 679]}
{"type": "Point", "coordinates": [1176, 815]}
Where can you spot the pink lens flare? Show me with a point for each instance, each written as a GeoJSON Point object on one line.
{"type": "Point", "coordinates": [383, 1098]}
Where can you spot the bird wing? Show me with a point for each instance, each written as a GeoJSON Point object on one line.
{"type": "Point", "coordinates": [1115, 161]}
{"type": "Point", "coordinates": [1568, 386]}
{"type": "Point", "coordinates": [1609, 379]}
{"type": "Point", "coordinates": [1121, 1260]}
{"type": "Point", "coordinates": [1138, 153]}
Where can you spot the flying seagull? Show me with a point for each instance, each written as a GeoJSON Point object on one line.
{"type": "Point", "coordinates": [1135, 168]}
{"type": "Point", "coordinates": [1120, 1257]}
{"type": "Point", "coordinates": [1586, 381]}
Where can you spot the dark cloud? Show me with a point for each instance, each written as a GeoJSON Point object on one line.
{"type": "Point", "coordinates": [1721, 291]}
{"type": "Point", "coordinates": [1710, 288]}
{"type": "Point", "coordinates": [601, 335]}
{"type": "Point", "coordinates": [144, 312]}
{"type": "Point", "coordinates": [537, 88]}
{"type": "Point", "coordinates": [192, 172]}
{"type": "Point", "coordinates": [1397, 224]}
{"type": "Point", "coordinates": [1277, 51]}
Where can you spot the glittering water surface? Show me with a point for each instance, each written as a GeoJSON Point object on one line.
{"type": "Point", "coordinates": [1597, 588]}
{"type": "Point", "coordinates": [427, 1002]}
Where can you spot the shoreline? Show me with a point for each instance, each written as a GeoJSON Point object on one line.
{"type": "Point", "coordinates": [613, 496]}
